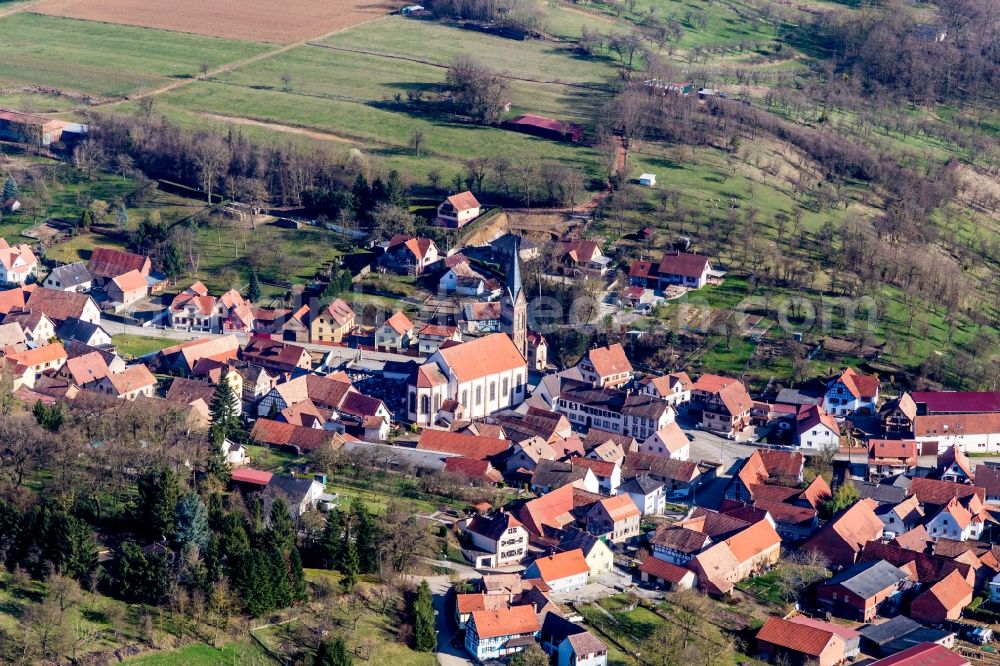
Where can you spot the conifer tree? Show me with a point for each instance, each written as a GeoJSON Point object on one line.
{"type": "Point", "coordinates": [364, 536]}
{"type": "Point", "coordinates": [331, 542]}
{"type": "Point", "coordinates": [349, 566]}
{"type": "Point", "coordinates": [296, 576]}
{"type": "Point", "coordinates": [425, 635]}
{"type": "Point", "coordinates": [282, 528]}
{"type": "Point", "coordinates": [224, 410]}
{"type": "Point", "coordinates": [253, 289]}
{"type": "Point", "coordinates": [10, 188]}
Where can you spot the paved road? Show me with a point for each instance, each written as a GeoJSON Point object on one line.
{"type": "Point", "coordinates": [447, 654]}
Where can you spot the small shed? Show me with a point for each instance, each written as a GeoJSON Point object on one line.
{"type": "Point", "coordinates": [648, 180]}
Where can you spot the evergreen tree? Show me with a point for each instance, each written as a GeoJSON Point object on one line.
{"type": "Point", "coordinates": [85, 219]}
{"type": "Point", "coordinates": [215, 511]}
{"type": "Point", "coordinates": [332, 541]}
{"type": "Point", "coordinates": [425, 636]}
{"type": "Point", "coordinates": [11, 519]}
{"type": "Point", "coordinates": [253, 289]}
{"type": "Point", "coordinates": [158, 495]}
{"type": "Point", "coordinates": [395, 191]}
{"type": "Point", "coordinates": [172, 260]}
{"type": "Point", "coordinates": [282, 528]}
{"type": "Point", "coordinates": [364, 537]}
{"type": "Point", "coordinates": [10, 188]}
{"type": "Point", "coordinates": [296, 576]}
{"type": "Point", "coordinates": [80, 552]}
{"type": "Point", "coordinates": [235, 540]}
{"type": "Point", "coordinates": [349, 566]}
{"type": "Point", "coordinates": [122, 215]}
{"type": "Point", "coordinates": [277, 571]}
{"type": "Point", "coordinates": [252, 576]}
{"type": "Point", "coordinates": [333, 654]}
{"type": "Point", "coordinates": [191, 522]}
{"type": "Point", "coordinates": [50, 418]}
{"type": "Point", "coordinates": [140, 577]}
{"type": "Point", "coordinates": [362, 195]}
{"type": "Point", "coordinates": [224, 410]}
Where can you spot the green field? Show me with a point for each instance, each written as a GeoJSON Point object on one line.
{"type": "Point", "coordinates": [104, 60]}
{"type": "Point", "coordinates": [199, 654]}
{"type": "Point", "coordinates": [137, 345]}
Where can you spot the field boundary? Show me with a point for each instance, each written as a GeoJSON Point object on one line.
{"type": "Point", "coordinates": [419, 61]}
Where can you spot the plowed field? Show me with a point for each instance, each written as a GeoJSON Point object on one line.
{"type": "Point", "coordinates": [283, 22]}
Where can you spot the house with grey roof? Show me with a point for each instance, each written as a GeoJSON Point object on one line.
{"type": "Point", "coordinates": [93, 335]}
{"type": "Point", "coordinates": [900, 633]}
{"type": "Point", "coordinates": [550, 474]}
{"type": "Point", "coordinates": [864, 590]}
{"type": "Point", "coordinates": [70, 277]}
{"type": "Point", "coordinates": [648, 494]}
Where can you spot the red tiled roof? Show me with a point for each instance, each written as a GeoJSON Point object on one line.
{"type": "Point", "coordinates": [620, 507]}
{"type": "Point", "coordinates": [843, 537]}
{"type": "Point", "coordinates": [941, 425]}
{"type": "Point", "coordinates": [610, 360]}
{"type": "Point", "coordinates": [712, 383]}
{"type": "Point", "coordinates": [247, 475]}
{"type": "Point", "coordinates": [505, 621]}
{"type": "Point", "coordinates": [893, 448]}
{"type": "Point", "coordinates": [134, 378]}
{"type": "Point", "coordinates": [469, 446]}
{"type": "Point", "coordinates": [949, 594]}
{"type": "Point", "coordinates": [278, 433]}
{"type": "Point", "coordinates": [562, 565]}
{"type": "Point", "coordinates": [399, 322]}
{"type": "Point", "coordinates": [839, 630]}
{"type": "Point", "coordinates": [340, 311]}
{"type": "Point", "coordinates": [641, 269]}
{"type": "Point", "coordinates": [924, 654]}
{"type": "Point", "coordinates": [933, 491]}
{"type": "Point", "coordinates": [472, 468]}
{"type": "Point", "coordinates": [598, 467]}
{"type": "Point", "coordinates": [796, 637]}
{"type": "Point", "coordinates": [106, 262]}
{"type": "Point", "coordinates": [131, 281]}
{"type": "Point", "coordinates": [686, 265]}
{"type": "Point", "coordinates": [463, 201]}
{"type": "Point", "coordinates": [665, 570]}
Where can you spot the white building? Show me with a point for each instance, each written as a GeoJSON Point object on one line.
{"type": "Point", "coordinates": [483, 376]}
{"type": "Point", "coordinates": [17, 263]}
{"type": "Point", "coordinates": [669, 441]}
{"type": "Point", "coordinates": [498, 541]}
{"type": "Point", "coordinates": [562, 572]}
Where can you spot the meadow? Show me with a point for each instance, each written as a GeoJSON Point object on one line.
{"type": "Point", "coordinates": [103, 60]}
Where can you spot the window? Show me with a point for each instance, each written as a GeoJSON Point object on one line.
{"type": "Point", "coordinates": [413, 402]}
{"type": "Point", "coordinates": [425, 404]}
{"type": "Point", "coordinates": [493, 391]}
{"type": "Point", "coordinates": [465, 398]}
{"type": "Point", "coordinates": [506, 386]}
{"type": "Point", "coordinates": [479, 395]}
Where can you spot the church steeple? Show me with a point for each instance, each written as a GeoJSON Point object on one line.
{"type": "Point", "coordinates": [514, 307]}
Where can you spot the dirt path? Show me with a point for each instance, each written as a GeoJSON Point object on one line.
{"type": "Point", "coordinates": [289, 129]}
{"type": "Point", "coordinates": [19, 8]}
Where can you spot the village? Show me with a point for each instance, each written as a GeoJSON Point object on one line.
{"type": "Point", "coordinates": [619, 482]}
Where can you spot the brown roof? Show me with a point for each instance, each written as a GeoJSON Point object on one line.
{"type": "Point", "coordinates": [463, 201]}
{"type": "Point", "coordinates": [585, 643]}
{"type": "Point", "coordinates": [505, 621]}
{"type": "Point", "coordinates": [581, 251]}
{"type": "Point", "coordinates": [438, 331]}
{"type": "Point", "coordinates": [688, 265]}
{"type": "Point", "coordinates": [933, 491]}
{"type": "Point", "coordinates": [598, 467]}
{"type": "Point", "coordinates": [610, 360]}
{"type": "Point", "coordinates": [893, 448]}
{"type": "Point", "coordinates": [665, 570]}
{"type": "Point", "coordinates": [106, 262]}
{"type": "Point", "coordinates": [795, 637]}
{"type": "Point", "coordinates": [277, 433]}
{"type": "Point", "coordinates": [134, 378]}
{"type": "Point", "coordinates": [188, 390]}
{"type": "Point", "coordinates": [988, 478]}
{"type": "Point", "coordinates": [817, 492]}
{"type": "Point", "coordinates": [679, 538]}
{"type": "Point", "coordinates": [479, 470]}
{"type": "Point", "coordinates": [469, 446]}
{"type": "Point", "coordinates": [951, 424]}
{"type": "Point", "coordinates": [929, 568]}
{"type": "Point", "coordinates": [836, 629]}
{"type": "Point", "coordinates": [87, 368]}
{"type": "Point", "coordinates": [753, 540]}
{"type": "Point", "coordinates": [57, 305]}
{"type": "Point", "coordinates": [221, 348]}
{"type": "Point", "coordinates": [488, 355]}
{"type": "Point", "coordinates": [949, 593]}
{"type": "Point", "coordinates": [843, 537]}
{"type": "Point", "coordinates": [659, 466]}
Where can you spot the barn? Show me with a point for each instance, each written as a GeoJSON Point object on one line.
{"type": "Point", "coordinates": [546, 128]}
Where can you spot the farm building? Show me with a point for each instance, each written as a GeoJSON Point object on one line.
{"type": "Point", "coordinates": [543, 127]}
{"type": "Point", "coordinates": [457, 210]}
{"type": "Point", "coordinates": [28, 128]}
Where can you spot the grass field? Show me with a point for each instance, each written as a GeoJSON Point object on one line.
{"type": "Point", "coordinates": [199, 654]}
{"type": "Point", "coordinates": [138, 345]}
{"type": "Point", "coordinates": [77, 55]}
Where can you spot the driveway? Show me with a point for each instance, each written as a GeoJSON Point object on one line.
{"type": "Point", "coordinates": [605, 585]}
{"type": "Point", "coordinates": [447, 654]}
